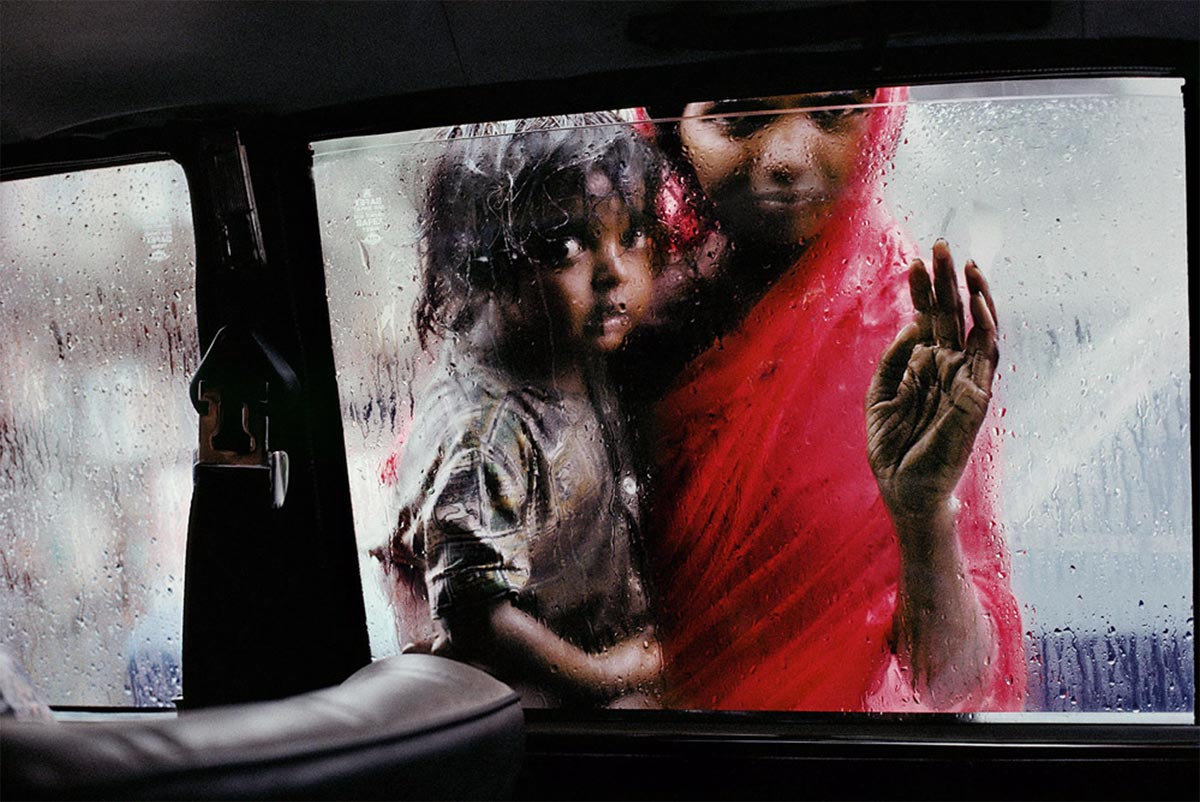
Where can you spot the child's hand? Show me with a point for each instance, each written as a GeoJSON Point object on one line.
{"type": "Point", "coordinates": [417, 647]}
{"type": "Point", "coordinates": [636, 664]}
{"type": "Point", "coordinates": [931, 390]}
{"type": "Point", "coordinates": [687, 272]}
{"type": "Point", "coordinates": [440, 644]}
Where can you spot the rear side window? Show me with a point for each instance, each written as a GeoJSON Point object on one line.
{"type": "Point", "coordinates": [780, 232]}
{"type": "Point", "coordinates": [96, 433]}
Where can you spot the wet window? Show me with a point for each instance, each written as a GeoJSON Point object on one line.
{"type": "Point", "coordinates": [96, 432]}
{"type": "Point", "coordinates": [603, 382]}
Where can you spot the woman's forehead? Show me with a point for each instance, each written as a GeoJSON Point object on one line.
{"type": "Point", "coordinates": [799, 100]}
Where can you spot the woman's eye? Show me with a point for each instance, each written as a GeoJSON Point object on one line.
{"type": "Point", "coordinates": [742, 127]}
{"type": "Point", "coordinates": [832, 118]}
{"type": "Point", "coordinates": [634, 238]}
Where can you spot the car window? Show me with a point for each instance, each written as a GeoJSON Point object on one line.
{"type": "Point", "coordinates": [1073, 511]}
{"type": "Point", "coordinates": [96, 433]}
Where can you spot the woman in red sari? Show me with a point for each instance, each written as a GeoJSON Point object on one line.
{"type": "Point", "coordinates": [808, 557]}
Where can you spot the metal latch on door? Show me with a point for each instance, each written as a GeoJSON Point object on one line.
{"type": "Point", "coordinates": [240, 383]}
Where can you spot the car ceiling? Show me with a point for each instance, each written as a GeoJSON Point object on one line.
{"type": "Point", "coordinates": [74, 65]}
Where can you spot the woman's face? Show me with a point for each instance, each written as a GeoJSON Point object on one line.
{"type": "Point", "coordinates": [774, 167]}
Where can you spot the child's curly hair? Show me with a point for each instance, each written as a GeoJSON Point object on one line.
{"type": "Point", "coordinates": [491, 194]}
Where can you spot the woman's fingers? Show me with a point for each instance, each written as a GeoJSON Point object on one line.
{"type": "Point", "coordinates": [948, 323]}
{"type": "Point", "coordinates": [982, 350]}
{"type": "Point", "coordinates": [893, 365]}
{"type": "Point", "coordinates": [920, 289]}
{"type": "Point", "coordinates": [977, 283]}
{"type": "Point", "coordinates": [940, 319]}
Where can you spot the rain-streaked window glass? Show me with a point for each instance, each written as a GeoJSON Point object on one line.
{"type": "Point", "coordinates": [96, 432]}
{"type": "Point", "coordinates": [870, 400]}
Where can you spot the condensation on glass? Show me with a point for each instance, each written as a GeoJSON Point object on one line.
{"type": "Point", "coordinates": [1071, 196]}
{"type": "Point", "coordinates": [97, 436]}
{"type": "Point", "coordinates": [1079, 205]}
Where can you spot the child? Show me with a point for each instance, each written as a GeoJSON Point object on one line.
{"type": "Point", "coordinates": [520, 500]}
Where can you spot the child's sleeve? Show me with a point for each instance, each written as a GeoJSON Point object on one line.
{"type": "Point", "coordinates": [479, 519]}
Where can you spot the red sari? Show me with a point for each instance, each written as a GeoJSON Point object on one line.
{"type": "Point", "coordinates": [773, 554]}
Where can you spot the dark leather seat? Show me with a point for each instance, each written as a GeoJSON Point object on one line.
{"type": "Point", "coordinates": [406, 727]}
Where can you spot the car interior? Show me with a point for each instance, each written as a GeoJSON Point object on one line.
{"type": "Point", "coordinates": [213, 218]}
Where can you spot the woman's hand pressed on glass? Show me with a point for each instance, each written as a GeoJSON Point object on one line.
{"type": "Point", "coordinates": [931, 390]}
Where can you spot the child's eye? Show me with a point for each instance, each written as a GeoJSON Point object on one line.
{"type": "Point", "coordinates": [557, 252]}
{"type": "Point", "coordinates": [571, 247]}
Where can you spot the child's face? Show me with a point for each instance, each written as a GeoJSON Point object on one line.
{"type": "Point", "coordinates": [592, 275]}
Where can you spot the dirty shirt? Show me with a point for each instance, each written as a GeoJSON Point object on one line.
{"type": "Point", "coordinates": [523, 492]}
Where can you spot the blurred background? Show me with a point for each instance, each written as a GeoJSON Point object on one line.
{"type": "Point", "coordinates": [97, 345]}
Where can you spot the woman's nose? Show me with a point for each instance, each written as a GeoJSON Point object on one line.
{"type": "Point", "coordinates": [788, 151]}
{"type": "Point", "coordinates": [610, 266]}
